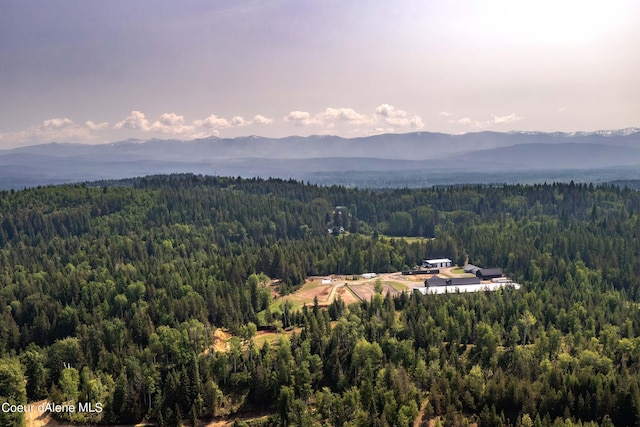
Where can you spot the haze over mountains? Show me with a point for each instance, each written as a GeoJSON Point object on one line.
{"type": "Point", "coordinates": [420, 158]}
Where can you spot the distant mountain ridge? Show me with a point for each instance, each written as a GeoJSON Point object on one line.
{"type": "Point", "coordinates": [303, 157]}
{"type": "Point", "coordinates": [408, 146]}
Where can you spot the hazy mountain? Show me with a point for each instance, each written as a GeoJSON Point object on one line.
{"type": "Point", "coordinates": [554, 156]}
{"type": "Point", "coordinates": [409, 146]}
{"type": "Point", "coordinates": [419, 154]}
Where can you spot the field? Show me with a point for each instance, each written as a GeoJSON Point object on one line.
{"type": "Point", "coordinates": [408, 239]}
{"type": "Point", "coordinates": [454, 272]}
{"type": "Point", "coordinates": [366, 291]}
{"type": "Point", "coordinates": [272, 336]}
{"type": "Point", "coordinates": [305, 295]}
{"type": "Point", "coordinates": [340, 285]}
{"type": "Point", "coordinates": [347, 296]}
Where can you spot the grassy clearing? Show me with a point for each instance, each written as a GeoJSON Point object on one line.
{"type": "Point", "coordinates": [457, 270]}
{"type": "Point", "coordinates": [408, 239]}
{"type": "Point", "coordinates": [296, 303]}
{"type": "Point", "coordinates": [310, 285]}
{"type": "Point", "coordinates": [273, 337]}
{"type": "Point", "coordinates": [397, 286]}
{"type": "Point", "coordinates": [295, 299]}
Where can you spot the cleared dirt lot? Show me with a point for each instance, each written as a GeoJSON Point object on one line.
{"type": "Point", "coordinates": [45, 419]}
{"type": "Point", "coordinates": [310, 292]}
{"type": "Point", "coordinates": [306, 294]}
{"type": "Point", "coordinates": [366, 291]}
{"type": "Point", "coordinates": [347, 296]}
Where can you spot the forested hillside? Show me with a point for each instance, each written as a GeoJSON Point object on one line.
{"type": "Point", "coordinates": [111, 293]}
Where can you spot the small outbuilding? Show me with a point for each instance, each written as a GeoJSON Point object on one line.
{"type": "Point", "coordinates": [470, 268]}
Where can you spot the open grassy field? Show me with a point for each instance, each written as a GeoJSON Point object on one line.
{"type": "Point", "coordinates": [409, 239]}
{"type": "Point", "coordinates": [454, 272]}
{"type": "Point", "coordinates": [398, 286]}
{"type": "Point", "coordinates": [273, 336]}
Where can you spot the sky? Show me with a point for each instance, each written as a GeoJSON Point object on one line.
{"type": "Point", "coordinates": [96, 72]}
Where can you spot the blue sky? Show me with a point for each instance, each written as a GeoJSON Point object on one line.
{"type": "Point", "coordinates": [78, 71]}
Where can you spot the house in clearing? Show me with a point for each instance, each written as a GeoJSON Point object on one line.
{"type": "Point", "coordinates": [437, 262]}
{"type": "Point", "coordinates": [489, 273]}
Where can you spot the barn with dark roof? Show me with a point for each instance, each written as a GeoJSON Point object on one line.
{"type": "Point", "coordinates": [488, 273]}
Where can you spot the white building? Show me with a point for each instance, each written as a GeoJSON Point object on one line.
{"type": "Point", "coordinates": [368, 275]}
{"type": "Point", "coordinates": [466, 288]}
{"type": "Point", "coordinates": [439, 262]}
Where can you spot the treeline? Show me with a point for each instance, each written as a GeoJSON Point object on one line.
{"type": "Point", "coordinates": [112, 293]}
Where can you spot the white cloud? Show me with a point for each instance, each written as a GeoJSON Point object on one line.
{"type": "Point", "coordinates": [498, 120]}
{"type": "Point", "coordinates": [328, 117]}
{"type": "Point", "coordinates": [478, 124]}
{"type": "Point", "coordinates": [385, 115]}
{"type": "Point", "coordinates": [56, 129]}
{"type": "Point", "coordinates": [96, 126]}
{"type": "Point", "coordinates": [462, 121]}
{"type": "Point", "coordinates": [172, 123]}
{"type": "Point", "coordinates": [134, 121]}
{"type": "Point", "coordinates": [302, 118]}
{"type": "Point", "coordinates": [444, 114]}
{"type": "Point", "coordinates": [238, 121]}
{"type": "Point", "coordinates": [262, 120]}
{"type": "Point", "coordinates": [400, 118]}
{"type": "Point", "coordinates": [379, 131]}
{"type": "Point", "coordinates": [168, 123]}
{"type": "Point", "coordinates": [171, 119]}
{"type": "Point", "coordinates": [208, 133]}
{"type": "Point", "coordinates": [387, 110]}
{"type": "Point", "coordinates": [345, 114]}
{"type": "Point", "coordinates": [414, 122]}
{"type": "Point", "coordinates": [57, 123]}
{"type": "Point", "coordinates": [213, 122]}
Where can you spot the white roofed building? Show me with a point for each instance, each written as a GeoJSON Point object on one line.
{"type": "Point", "coordinates": [438, 262]}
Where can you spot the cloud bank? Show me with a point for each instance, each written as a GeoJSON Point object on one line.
{"type": "Point", "coordinates": [342, 120]}
{"type": "Point", "coordinates": [483, 124]}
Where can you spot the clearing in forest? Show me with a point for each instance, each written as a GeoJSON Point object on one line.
{"type": "Point", "coordinates": [305, 295]}
{"type": "Point", "coordinates": [366, 291]}
{"type": "Point", "coordinates": [220, 341]}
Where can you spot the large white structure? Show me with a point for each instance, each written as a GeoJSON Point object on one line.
{"type": "Point", "coordinates": [439, 262]}
{"type": "Point", "coordinates": [466, 288]}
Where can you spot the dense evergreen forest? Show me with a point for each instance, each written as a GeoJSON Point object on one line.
{"type": "Point", "coordinates": [111, 293]}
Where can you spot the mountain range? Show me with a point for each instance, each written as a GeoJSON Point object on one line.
{"type": "Point", "coordinates": [318, 158]}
